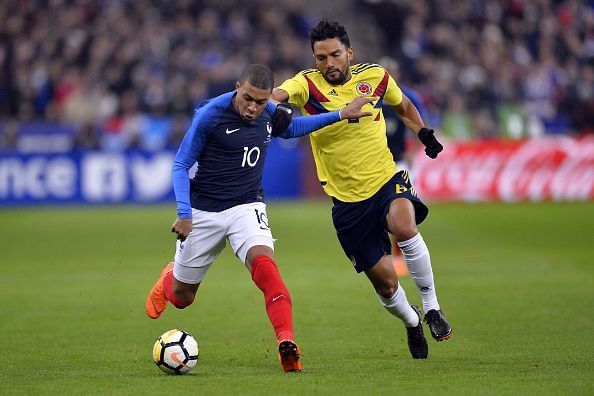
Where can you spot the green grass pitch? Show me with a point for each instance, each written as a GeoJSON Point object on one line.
{"type": "Point", "coordinates": [516, 282]}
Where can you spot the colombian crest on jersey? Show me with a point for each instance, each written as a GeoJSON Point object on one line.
{"type": "Point", "coordinates": [363, 88]}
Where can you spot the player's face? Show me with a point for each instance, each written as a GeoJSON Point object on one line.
{"type": "Point", "coordinates": [333, 60]}
{"type": "Point", "coordinates": [250, 101]}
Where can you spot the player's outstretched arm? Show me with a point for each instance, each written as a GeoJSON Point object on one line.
{"type": "Point", "coordinates": [280, 95]}
{"type": "Point", "coordinates": [302, 126]}
{"type": "Point", "coordinates": [354, 110]}
{"type": "Point", "coordinates": [410, 116]}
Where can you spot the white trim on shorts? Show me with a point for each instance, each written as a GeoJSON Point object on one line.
{"type": "Point", "coordinates": [244, 226]}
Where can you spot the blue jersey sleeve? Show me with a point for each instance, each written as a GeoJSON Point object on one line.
{"type": "Point", "coordinates": [301, 126]}
{"type": "Point", "coordinates": [187, 154]}
{"type": "Point", "coordinates": [270, 108]}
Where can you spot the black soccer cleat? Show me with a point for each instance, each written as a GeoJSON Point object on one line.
{"type": "Point", "coordinates": [289, 356]}
{"type": "Point", "coordinates": [438, 324]}
{"type": "Point", "coordinates": [417, 344]}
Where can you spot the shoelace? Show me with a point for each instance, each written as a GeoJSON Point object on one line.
{"type": "Point", "coordinates": [431, 316]}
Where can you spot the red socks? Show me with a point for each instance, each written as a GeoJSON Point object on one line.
{"type": "Point", "coordinates": [168, 291]}
{"type": "Point", "coordinates": [276, 296]}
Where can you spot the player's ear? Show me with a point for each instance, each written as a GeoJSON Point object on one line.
{"type": "Point", "coordinates": [350, 53]}
{"type": "Point", "coordinates": [237, 85]}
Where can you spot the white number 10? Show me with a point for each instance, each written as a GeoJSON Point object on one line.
{"type": "Point", "coordinates": [248, 156]}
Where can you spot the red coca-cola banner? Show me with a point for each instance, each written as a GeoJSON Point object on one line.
{"type": "Point", "coordinates": [550, 168]}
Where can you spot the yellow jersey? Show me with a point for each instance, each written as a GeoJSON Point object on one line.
{"type": "Point", "coordinates": [352, 157]}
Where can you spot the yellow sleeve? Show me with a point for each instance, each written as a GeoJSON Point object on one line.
{"type": "Point", "coordinates": [393, 95]}
{"type": "Point", "coordinates": [297, 89]}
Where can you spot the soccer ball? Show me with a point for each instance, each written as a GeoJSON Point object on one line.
{"type": "Point", "coordinates": [176, 352]}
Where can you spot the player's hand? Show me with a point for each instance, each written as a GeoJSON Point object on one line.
{"type": "Point", "coordinates": [353, 109]}
{"type": "Point", "coordinates": [182, 228]}
{"type": "Point", "coordinates": [432, 146]}
{"type": "Point", "coordinates": [281, 119]}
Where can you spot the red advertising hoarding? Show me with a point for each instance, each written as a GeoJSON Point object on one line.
{"type": "Point", "coordinates": [543, 169]}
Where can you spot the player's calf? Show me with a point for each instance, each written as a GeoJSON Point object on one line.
{"type": "Point", "coordinates": [163, 292]}
{"type": "Point", "coordinates": [277, 299]}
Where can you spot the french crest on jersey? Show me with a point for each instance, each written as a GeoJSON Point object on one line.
{"type": "Point", "coordinates": [268, 133]}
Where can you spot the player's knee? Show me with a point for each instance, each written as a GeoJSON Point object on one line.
{"type": "Point", "coordinates": [405, 232]}
{"type": "Point", "coordinates": [263, 264]}
{"type": "Point", "coordinates": [387, 290]}
{"type": "Point", "coordinates": [182, 302]}
{"type": "Point", "coordinates": [255, 252]}
{"type": "Point", "coordinates": [183, 298]}
{"type": "Point", "coordinates": [401, 219]}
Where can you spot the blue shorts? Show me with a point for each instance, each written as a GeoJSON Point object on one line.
{"type": "Point", "coordinates": [361, 226]}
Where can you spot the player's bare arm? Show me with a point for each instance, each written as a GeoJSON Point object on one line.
{"type": "Point", "coordinates": [279, 95]}
{"type": "Point", "coordinates": [182, 228]}
{"type": "Point", "coordinates": [351, 111]}
{"type": "Point", "coordinates": [409, 114]}
{"type": "Point", "coordinates": [413, 121]}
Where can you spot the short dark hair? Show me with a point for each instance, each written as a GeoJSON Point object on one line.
{"type": "Point", "coordinates": [328, 30]}
{"type": "Point", "coordinates": [259, 76]}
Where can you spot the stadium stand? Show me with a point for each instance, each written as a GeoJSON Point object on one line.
{"type": "Point", "coordinates": [112, 75]}
{"type": "Point", "coordinates": [120, 74]}
{"type": "Point", "coordinates": [495, 68]}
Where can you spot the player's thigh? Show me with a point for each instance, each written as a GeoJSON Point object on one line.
{"type": "Point", "coordinates": [203, 245]}
{"type": "Point", "coordinates": [248, 227]}
{"type": "Point", "coordinates": [400, 219]}
{"type": "Point", "coordinates": [398, 214]}
{"type": "Point", "coordinates": [361, 234]}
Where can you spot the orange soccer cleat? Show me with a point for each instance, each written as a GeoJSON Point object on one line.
{"type": "Point", "coordinates": [156, 302]}
{"type": "Point", "coordinates": [290, 356]}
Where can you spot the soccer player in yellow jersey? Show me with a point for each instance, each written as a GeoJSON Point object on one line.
{"type": "Point", "coordinates": [370, 196]}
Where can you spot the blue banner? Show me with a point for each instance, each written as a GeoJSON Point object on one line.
{"type": "Point", "coordinates": [123, 177]}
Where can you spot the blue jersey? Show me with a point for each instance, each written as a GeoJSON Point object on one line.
{"type": "Point", "coordinates": [230, 152]}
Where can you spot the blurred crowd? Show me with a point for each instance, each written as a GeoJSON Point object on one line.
{"type": "Point", "coordinates": [127, 73]}
{"type": "Point", "coordinates": [495, 67]}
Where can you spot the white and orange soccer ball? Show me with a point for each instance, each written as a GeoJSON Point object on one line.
{"type": "Point", "coordinates": [176, 352]}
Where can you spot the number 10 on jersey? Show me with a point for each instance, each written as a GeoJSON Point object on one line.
{"type": "Point", "coordinates": [250, 156]}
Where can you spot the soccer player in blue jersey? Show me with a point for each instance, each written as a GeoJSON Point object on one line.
{"type": "Point", "coordinates": [228, 137]}
{"type": "Point", "coordinates": [371, 196]}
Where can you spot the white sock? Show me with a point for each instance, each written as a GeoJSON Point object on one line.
{"type": "Point", "coordinates": [418, 262]}
{"type": "Point", "coordinates": [398, 306]}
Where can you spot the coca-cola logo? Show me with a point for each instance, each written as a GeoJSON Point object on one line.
{"type": "Point", "coordinates": [552, 168]}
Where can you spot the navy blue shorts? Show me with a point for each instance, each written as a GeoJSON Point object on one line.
{"type": "Point", "coordinates": [361, 226]}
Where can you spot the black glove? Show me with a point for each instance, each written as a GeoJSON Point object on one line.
{"type": "Point", "coordinates": [281, 119]}
{"type": "Point", "coordinates": [432, 146]}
